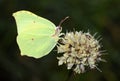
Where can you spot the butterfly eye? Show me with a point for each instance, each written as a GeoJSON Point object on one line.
{"type": "Point", "coordinates": [59, 28]}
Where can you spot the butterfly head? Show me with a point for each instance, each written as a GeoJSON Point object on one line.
{"type": "Point", "coordinates": [59, 28]}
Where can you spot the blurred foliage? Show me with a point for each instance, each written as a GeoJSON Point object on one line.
{"type": "Point", "coordinates": [102, 16]}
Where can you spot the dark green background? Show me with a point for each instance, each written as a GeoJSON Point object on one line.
{"type": "Point", "coordinates": [102, 16]}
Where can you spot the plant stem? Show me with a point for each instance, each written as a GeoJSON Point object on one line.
{"type": "Point", "coordinates": [70, 75]}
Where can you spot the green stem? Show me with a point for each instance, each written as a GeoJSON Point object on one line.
{"type": "Point", "coordinates": [70, 75]}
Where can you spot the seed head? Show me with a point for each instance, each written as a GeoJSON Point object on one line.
{"type": "Point", "coordinates": [80, 51]}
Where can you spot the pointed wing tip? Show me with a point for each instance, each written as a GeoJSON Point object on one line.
{"type": "Point", "coordinates": [14, 14]}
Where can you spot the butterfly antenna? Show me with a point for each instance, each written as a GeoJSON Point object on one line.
{"type": "Point", "coordinates": [59, 28]}
{"type": "Point", "coordinates": [63, 20]}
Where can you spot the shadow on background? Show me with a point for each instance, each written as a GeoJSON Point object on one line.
{"type": "Point", "coordinates": [102, 16]}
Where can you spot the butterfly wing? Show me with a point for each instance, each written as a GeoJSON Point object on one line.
{"type": "Point", "coordinates": [34, 34]}
{"type": "Point", "coordinates": [35, 45]}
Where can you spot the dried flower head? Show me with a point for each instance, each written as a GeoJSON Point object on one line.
{"type": "Point", "coordinates": [80, 50]}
